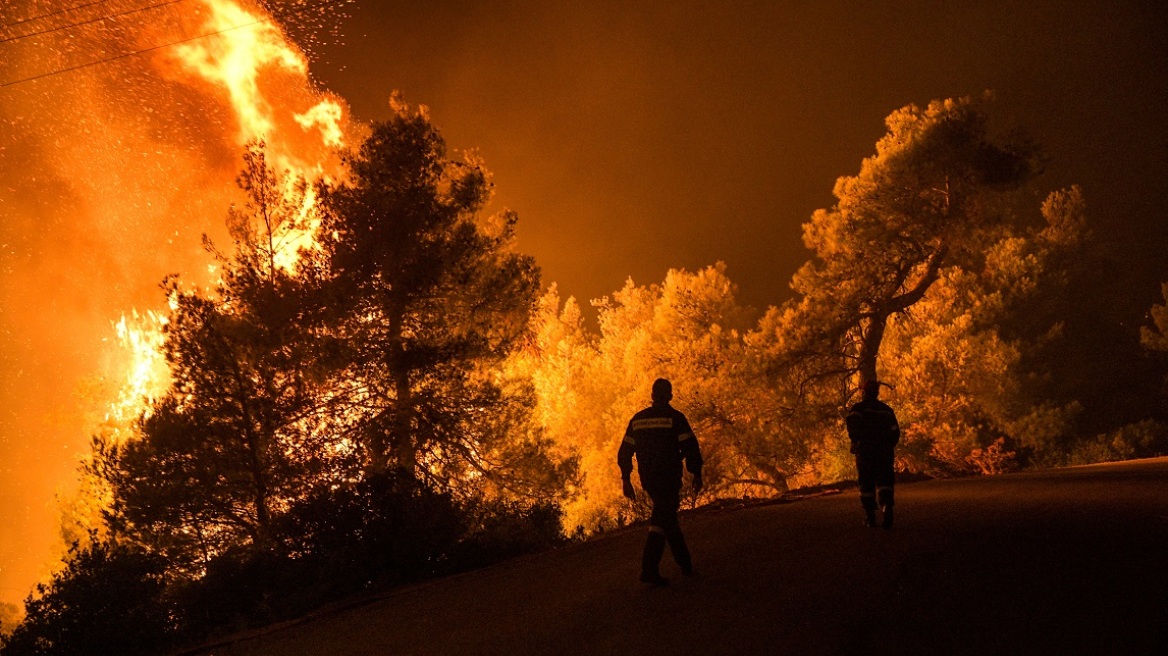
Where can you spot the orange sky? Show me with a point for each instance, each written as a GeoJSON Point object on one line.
{"type": "Point", "coordinates": [630, 136]}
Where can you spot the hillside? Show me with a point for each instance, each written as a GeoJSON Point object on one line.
{"type": "Point", "coordinates": [1059, 561]}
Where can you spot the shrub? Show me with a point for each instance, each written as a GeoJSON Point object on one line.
{"type": "Point", "coordinates": [107, 600]}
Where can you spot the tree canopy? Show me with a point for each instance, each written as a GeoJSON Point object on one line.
{"type": "Point", "coordinates": [375, 390]}
{"type": "Point", "coordinates": [427, 296]}
{"type": "Point", "coordinates": [927, 199]}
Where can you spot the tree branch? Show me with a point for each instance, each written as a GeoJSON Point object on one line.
{"type": "Point", "coordinates": [932, 272]}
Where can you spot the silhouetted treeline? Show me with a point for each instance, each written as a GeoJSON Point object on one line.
{"type": "Point", "coordinates": [335, 418]}
{"type": "Point", "coordinates": [119, 596]}
{"type": "Point", "coordinates": [376, 392]}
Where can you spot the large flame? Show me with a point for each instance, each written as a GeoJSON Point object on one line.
{"type": "Point", "coordinates": [108, 175]}
{"type": "Point", "coordinates": [264, 77]}
{"type": "Point", "coordinates": [250, 63]}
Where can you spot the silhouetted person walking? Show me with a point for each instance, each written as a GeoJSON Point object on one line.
{"type": "Point", "coordinates": [660, 438]}
{"type": "Point", "coordinates": [874, 432]}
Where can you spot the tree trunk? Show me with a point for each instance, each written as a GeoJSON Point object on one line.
{"type": "Point", "coordinates": [405, 453]}
{"type": "Point", "coordinates": [872, 335]}
{"type": "Point", "coordinates": [872, 332]}
{"type": "Point", "coordinates": [255, 446]}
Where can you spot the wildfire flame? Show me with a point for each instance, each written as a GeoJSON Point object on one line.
{"type": "Point", "coordinates": [265, 78]}
{"type": "Point", "coordinates": [109, 173]}
{"type": "Point", "coordinates": [250, 63]}
{"type": "Point", "coordinates": [141, 337]}
{"type": "Point", "coordinates": [327, 115]}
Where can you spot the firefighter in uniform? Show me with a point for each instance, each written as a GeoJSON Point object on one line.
{"type": "Point", "coordinates": [874, 432]}
{"type": "Point", "coordinates": [660, 438]}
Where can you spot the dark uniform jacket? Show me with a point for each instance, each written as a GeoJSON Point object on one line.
{"type": "Point", "coordinates": [873, 428]}
{"type": "Point", "coordinates": [660, 437]}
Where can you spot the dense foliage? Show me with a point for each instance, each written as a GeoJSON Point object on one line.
{"type": "Point", "coordinates": [335, 418]}
{"type": "Point", "coordinates": [375, 392]}
{"type": "Point", "coordinates": [935, 272]}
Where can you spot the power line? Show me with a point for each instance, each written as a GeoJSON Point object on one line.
{"type": "Point", "coordinates": [323, 4]}
{"type": "Point", "coordinates": [52, 13]}
{"type": "Point", "coordinates": [99, 19]}
{"type": "Point", "coordinates": [136, 52]}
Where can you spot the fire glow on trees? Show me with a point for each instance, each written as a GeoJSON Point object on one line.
{"type": "Point", "coordinates": [265, 77]}
{"type": "Point", "coordinates": [112, 168]}
{"type": "Point", "coordinates": [112, 173]}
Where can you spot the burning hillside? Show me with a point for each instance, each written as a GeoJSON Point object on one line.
{"type": "Point", "coordinates": [123, 127]}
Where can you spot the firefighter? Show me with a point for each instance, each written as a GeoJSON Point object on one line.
{"type": "Point", "coordinates": [874, 432]}
{"type": "Point", "coordinates": [660, 438]}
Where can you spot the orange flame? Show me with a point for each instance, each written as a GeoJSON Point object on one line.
{"type": "Point", "coordinates": [116, 170]}
{"type": "Point", "coordinates": [265, 78]}
{"type": "Point", "coordinates": [328, 116]}
{"type": "Point", "coordinates": [147, 375]}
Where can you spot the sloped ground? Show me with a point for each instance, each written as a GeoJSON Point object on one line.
{"type": "Point", "coordinates": [1071, 561]}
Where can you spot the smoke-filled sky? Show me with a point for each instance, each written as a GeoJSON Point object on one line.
{"type": "Point", "coordinates": [630, 136]}
{"type": "Point", "coordinates": [636, 136]}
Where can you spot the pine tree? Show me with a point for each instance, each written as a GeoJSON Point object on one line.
{"type": "Point", "coordinates": [239, 434]}
{"type": "Point", "coordinates": [428, 298]}
{"type": "Point", "coordinates": [928, 199]}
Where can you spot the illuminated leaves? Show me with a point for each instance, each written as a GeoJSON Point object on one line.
{"type": "Point", "coordinates": [927, 193]}
{"type": "Point", "coordinates": [964, 359]}
{"type": "Point", "coordinates": [929, 277]}
{"type": "Point", "coordinates": [691, 330]}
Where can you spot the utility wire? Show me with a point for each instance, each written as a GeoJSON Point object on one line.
{"type": "Point", "coordinates": [135, 52]}
{"type": "Point", "coordinates": [323, 4]}
{"type": "Point", "coordinates": [52, 13]}
{"type": "Point", "coordinates": [99, 19]}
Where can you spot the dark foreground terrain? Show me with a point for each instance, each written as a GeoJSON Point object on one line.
{"type": "Point", "coordinates": [1071, 561]}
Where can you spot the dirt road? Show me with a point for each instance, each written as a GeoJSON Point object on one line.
{"type": "Point", "coordinates": [1071, 561]}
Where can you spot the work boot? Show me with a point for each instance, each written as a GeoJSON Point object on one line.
{"type": "Point", "coordinates": [887, 517]}
{"type": "Point", "coordinates": [870, 517]}
{"type": "Point", "coordinates": [651, 559]}
{"type": "Point", "coordinates": [680, 552]}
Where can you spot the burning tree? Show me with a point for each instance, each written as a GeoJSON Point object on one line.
{"type": "Point", "coordinates": [317, 364]}
{"type": "Point", "coordinates": [250, 434]}
{"type": "Point", "coordinates": [333, 391]}
{"type": "Point", "coordinates": [241, 433]}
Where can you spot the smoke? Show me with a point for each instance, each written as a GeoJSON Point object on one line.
{"type": "Point", "coordinates": [109, 176]}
